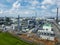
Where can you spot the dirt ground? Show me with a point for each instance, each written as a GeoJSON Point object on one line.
{"type": "Point", "coordinates": [38, 40]}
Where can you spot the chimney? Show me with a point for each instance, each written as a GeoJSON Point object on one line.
{"type": "Point", "coordinates": [57, 16]}
{"type": "Point", "coordinates": [18, 23]}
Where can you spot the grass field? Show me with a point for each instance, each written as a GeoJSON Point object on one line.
{"type": "Point", "coordinates": [8, 39]}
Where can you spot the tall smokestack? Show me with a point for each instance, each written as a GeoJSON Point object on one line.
{"type": "Point", "coordinates": [57, 16]}
{"type": "Point", "coordinates": [18, 23]}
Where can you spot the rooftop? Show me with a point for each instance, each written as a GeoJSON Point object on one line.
{"type": "Point", "coordinates": [47, 24]}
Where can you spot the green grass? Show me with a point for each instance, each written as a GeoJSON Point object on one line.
{"type": "Point", "coordinates": [8, 39]}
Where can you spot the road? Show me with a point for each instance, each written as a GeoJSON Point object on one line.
{"type": "Point", "coordinates": [56, 29]}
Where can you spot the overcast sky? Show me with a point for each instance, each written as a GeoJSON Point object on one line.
{"type": "Point", "coordinates": [29, 7]}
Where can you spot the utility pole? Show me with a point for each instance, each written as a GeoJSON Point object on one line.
{"type": "Point", "coordinates": [57, 16]}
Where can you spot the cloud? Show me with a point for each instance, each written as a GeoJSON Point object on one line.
{"type": "Point", "coordinates": [54, 10]}
{"type": "Point", "coordinates": [10, 1]}
{"type": "Point", "coordinates": [2, 6]}
{"type": "Point", "coordinates": [48, 2]}
{"type": "Point", "coordinates": [26, 12]}
{"type": "Point", "coordinates": [16, 4]}
{"type": "Point", "coordinates": [15, 7]}
{"type": "Point", "coordinates": [1, 11]}
{"type": "Point", "coordinates": [43, 7]}
{"type": "Point", "coordinates": [32, 8]}
{"type": "Point", "coordinates": [34, 3]}
{"type": "Point", "coordinates": [58, 3]}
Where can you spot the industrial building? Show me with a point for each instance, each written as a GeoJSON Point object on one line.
{"type": "Point", "coordinates": [42, 28]}
{"type": "Point", "coordinates": [46, 32]}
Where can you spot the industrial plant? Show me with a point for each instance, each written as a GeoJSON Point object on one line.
{"type": "Point", "coordinates": [29, 22]}
{"type": "Point", "coordinates": [33, 29]}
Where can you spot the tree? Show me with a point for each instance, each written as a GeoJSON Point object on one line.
{"type": "Point", "coordinates": [7, 21]}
